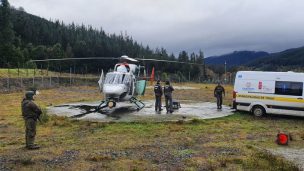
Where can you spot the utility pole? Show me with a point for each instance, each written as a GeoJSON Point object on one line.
{"type": "Point", "coordinates": [70, 76]}
{"type": "Point", "coordinates": [8, 77]}
{"type": "Point", "coordinates": [225, 72]}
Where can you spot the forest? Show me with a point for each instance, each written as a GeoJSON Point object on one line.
{"type": "Point", "coordinates": [27, 37]}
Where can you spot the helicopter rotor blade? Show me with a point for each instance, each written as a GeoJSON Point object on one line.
{"type": "Point", "coordinates": [168, 61]}
{"type": "Point", "coordinates": [114, 58]}
{"type": "Point", "coordinates": [124, 57]}
{"type": "Point", "coordinates": [69, 59]}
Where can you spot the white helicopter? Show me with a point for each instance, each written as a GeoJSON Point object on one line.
{"type": "Point", "coordinates": [124, 83]}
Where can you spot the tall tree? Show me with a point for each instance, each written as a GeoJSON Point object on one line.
{"type": "Point", "coordinates": [201, 60]}
{"type": "Point", "coordinates": [184, 68]}
{"type": "Point", "coordinates": [6, 28]}
{"type": "Point", "coordinates": [6, 34]}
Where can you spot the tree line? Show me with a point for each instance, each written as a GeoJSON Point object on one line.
{"type": "Point", "coordinates": [27, 37]}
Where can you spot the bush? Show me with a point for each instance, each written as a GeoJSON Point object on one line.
{"type": "Point", "coordinates": [44, 118]}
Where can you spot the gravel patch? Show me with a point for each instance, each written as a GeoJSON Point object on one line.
{"type": "Point", "coordinates": [63, 159]}
{"type": "Point", "coordinates": [2, 164]}
{"type": "Point", "coordinates": [294, 155]}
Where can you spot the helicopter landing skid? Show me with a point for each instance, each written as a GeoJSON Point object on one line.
{"type": "Point", "coordinates": [102, 105]}
{"type": "Point", "coordinates": [138, 103]}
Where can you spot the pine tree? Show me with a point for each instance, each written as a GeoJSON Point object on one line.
{"type": "Point", "coordinates": [7, 48]}
{"type": "Point", "coordinates": [201, 60]}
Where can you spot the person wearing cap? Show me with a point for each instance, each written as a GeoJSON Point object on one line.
{"type": "Point", "coordinates": [31, 113]}
{"type": "Point", "coordinates": [158, 95]}
{"type": "Point", "coordinates": [218, 93]}
{"type": "Point", "coordinates": [168, 89]}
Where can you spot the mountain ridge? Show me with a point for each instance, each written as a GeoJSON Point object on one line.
{"type": "Point", "coordinates": [285, 60]}
{"type": "Point", "coordinates": [236, 58]}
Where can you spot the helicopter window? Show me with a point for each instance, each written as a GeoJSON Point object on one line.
{"type": "Point", "coordinates": [123, 68]}
{"type": "Point", "coordinates": [109, 78]}
{"type": "Point", "coordinates": [114, 78]}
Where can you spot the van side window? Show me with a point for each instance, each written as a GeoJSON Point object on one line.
{"type": "Point", "coordinates": [289, 88]}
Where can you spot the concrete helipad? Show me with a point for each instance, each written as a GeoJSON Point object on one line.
{"type": "Point", "coordinates": [126, 112]}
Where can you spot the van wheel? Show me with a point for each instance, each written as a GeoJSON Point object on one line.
{"type": "Point", "coordinates": [258, 111]}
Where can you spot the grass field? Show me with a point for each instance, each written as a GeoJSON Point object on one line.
{"type": "Point", "coordinates": [228, 143]}
{"type": "Point", "coordinates": [26, 73]}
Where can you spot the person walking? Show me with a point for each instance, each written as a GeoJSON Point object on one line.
{"type": "Point", "coordinates": [158, 95]}
{"type": "Point", "coordinates": [31, 113]}
{"type": "Point", "coordinates": [168, 89]}
{"type": "Point", "coordinates": [219, 91]}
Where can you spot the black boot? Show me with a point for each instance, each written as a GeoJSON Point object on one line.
{"type": "Point", "coordinates": [33, 147]}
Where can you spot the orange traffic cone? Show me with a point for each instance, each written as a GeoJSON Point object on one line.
{"type": "Point", "coordinates": [282, 139]}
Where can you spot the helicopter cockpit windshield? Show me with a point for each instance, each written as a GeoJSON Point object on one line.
{"type": "Point", "coordinates": [118, 78]}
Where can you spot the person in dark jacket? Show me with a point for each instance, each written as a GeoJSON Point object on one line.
{"type": "Point", "coordinates": [31, 113]}
{"type": "Point", "coordinates": [158, 95]}
{"type": "Point", "coordinates": [168, 89]}
{"type": "Point", "coordinates": [219, 91]}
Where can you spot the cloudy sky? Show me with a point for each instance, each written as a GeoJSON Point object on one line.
{"type": "Point", "coordinates": [215, 26]}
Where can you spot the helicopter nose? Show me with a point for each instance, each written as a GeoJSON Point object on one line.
{"type": "Point", "coordinates": [114, 89]}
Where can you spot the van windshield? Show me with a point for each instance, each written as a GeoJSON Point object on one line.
{"type": "Point", "coordinates": [117, 78]}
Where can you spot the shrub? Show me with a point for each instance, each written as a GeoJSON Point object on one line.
{"type": "Point", "coordinates": [44, 117]}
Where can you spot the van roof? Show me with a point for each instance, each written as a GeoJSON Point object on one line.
{"type": "Point", "coordinates": [288, 76]}
{"type": "Point", "coordinates": [271, 73]}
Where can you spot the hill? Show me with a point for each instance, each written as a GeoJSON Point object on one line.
{"type": "Point", "coordinates": [236, 58]}
{"type": "Point", "coordinates": [291, 59]}
{"type": "Point", "coordinates": [25, 36]}
{"type": "Point", "coordinates": [33, 37]}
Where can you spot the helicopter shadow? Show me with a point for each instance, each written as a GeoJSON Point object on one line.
{"type": "Point", "coordinates": [115, 113]}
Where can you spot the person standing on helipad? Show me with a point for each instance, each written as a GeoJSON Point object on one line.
{"type": "Point", "coordinates": [219, 91]}
{"type": "Point", "coordinates": [168, 89]}
{"type": "Point", "coordinates": [158, 95]}
{"type": "Point", "coordinates": [31, 113]}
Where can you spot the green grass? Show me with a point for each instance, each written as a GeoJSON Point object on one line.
{"type": "Point", "coordinates": [218, 144]}
{"type": "Point", "coordinates": [26, 73]}
{"type": "Point", "coordinates": [23, 72]}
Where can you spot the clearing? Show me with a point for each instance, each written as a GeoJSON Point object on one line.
{"type": "Point", "coordinates": [231, 142]}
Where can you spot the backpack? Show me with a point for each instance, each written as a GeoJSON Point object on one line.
{"type": "Point", "coordinates": [157, 89]}
{"type": "Point", "coordinates": [168, 90]}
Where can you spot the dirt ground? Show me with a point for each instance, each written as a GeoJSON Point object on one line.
{"type": "Point", "coordinates": [227, 143]}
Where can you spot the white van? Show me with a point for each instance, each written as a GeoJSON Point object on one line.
{"type": "Point", "coordinates": [269, 92]}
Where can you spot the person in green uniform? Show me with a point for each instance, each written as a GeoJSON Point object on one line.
{"type": "Point", "coordinates": [31, 113]}
{"type": "Point", "coordinates": [158, 95]}
{"type": "Point", "coordinates": [219, 91]}
{"type": "Point", "coordinates": [168, 89]}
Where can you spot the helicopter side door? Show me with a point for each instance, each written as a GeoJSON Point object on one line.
{"type": "Point", "coordinates": [132, 86]}
{"type": "Point", "coordinates": [141, 87]}
{"type": "Point", "coordinates": [101, 81]}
